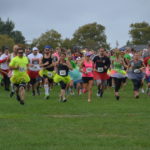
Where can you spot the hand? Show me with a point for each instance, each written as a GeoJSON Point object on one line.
{"type": "Point", "coordinates": [105, 67]}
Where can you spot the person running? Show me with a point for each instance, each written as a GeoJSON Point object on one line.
{"type": "Point", "coordinates": [147, 72]}
{"type": "Point", "coordinates": [20, 77]}
{"type": "Point", "coordinates": [101, 65]}
{"type": "Point", "coordinates": [87, 68]}
{"type": "Point", "coordinates": [135, 73]}
{"type": "Point", "coordinates": [117, 72]}
{"type": "Point", "coordinates": [62, 68]}
{"type": "Point", "coordinates": [47, 71]}
{"type": "Point", "coordinates": [35, 59]}
{"type": "Point", "coordinates": [12, 55]}
{"type": "Point", "coordinates": [4, 61]}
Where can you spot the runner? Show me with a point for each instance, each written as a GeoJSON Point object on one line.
{"type": "Point", "coordinates": [148, 76]}
{"type": "Point", "coordinates": [135, 73]}
{"type": "Point", "coordinates": [35, 59]}
{"type": "Point", "coordinates": [86, 68]}
{"type": "Point", "coordinates": [101, 65]}
{"type": "Point", "coordinates": [117, 72]}
{"type": "Point", "coordinates": [20, 77]}
{"type": "Point", "coordinates": [47, 71]}
{"type": "Point", "coordinates": [62, 76]}
{"type": "Point", "coordinates": [4, 61]}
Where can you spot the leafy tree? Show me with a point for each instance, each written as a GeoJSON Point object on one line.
{"type": "Point", "coordinates": [140, 33]}
{"type": "Point", "coordinates": [6, 41]}
{"type": "Point", "coordinates": [90, 36]}
{"type": "Point", "coordinates": [50, 37]}
{"type": "Point", "coordinates": [7, 28]}
{"type": "Point", "coordinates": [18, 37]}
{"type": "Point", "coordinates": [67, 43]}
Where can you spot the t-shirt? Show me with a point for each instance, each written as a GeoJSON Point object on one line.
{"type": "Point", "coordinates": [100, 62]}
{"type": "Point", "coordinates": [136, 66]}
{"type": "Point", "coordinates": [22, 62]}
{"type": "Point", "coordinates": [4, 65]}
{"type": "Point", "coordinates": [35, 60]}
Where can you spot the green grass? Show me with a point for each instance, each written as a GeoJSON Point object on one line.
{"type": "Point", "coordinates": [103, 124]}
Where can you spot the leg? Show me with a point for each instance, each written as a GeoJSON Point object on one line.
{"type": "Point", "coordinates": [63, 92]}
{"type": "Point", "coordinates": [90, 84]}
{"type": "Point", "coordinates": [46, 87]}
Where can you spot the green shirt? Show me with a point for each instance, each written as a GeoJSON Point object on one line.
{"type": "Point", "coordinates": [21, 62]}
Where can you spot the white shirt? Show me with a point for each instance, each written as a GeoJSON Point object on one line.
{"type": "Point", "coordinates": [4, 65]}
{"type": "Point", "coordinates": [35, 60]}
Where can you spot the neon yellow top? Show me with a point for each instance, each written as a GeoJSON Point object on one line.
{"type": "Point", "coordinates": [21, 62]}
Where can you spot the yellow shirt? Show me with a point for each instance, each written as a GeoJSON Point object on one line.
{"type": "Point", "coordinates": [22, 62]}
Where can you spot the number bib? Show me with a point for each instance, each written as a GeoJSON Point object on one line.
{"type": "Point", "coordinates": [22, 69]}
{"type": "Point", "coordinates": [62, 72]}
{"type": "Point", "coordinates": [100, 69]}
{"type": "Point", "coordinates": [89, 69]}
{"type": "Point", "coordinates": [50, 74]}
{"type": "Point", "coordinates": [137, 71]}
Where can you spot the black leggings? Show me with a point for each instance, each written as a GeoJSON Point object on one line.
{"type": "Point", "coordinates": [118, 82]}
{"type": "Point", "coordinates": [136, 84]}
{"type": "Point", "coordinates": [6, 82]}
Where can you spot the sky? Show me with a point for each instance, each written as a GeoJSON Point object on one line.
{"type": "Point", "coordinates": [34, 17]}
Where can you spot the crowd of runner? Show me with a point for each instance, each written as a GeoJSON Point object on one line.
{"type": "Point", "coordinates": [34, 69]}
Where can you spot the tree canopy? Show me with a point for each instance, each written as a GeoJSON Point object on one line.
{"type": "Point", "coordinates": [90, 36]}
{"type": "Point", "coordinates": [51, 37]}
{"type": "Point", "coordinates": [6, 41]}
{"type": "Point", "coordinates": [7, 28]}
{"type": "Point", "coordinates": [140, 33]}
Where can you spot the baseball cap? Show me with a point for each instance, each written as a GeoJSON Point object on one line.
{"type": "Point", "coordinates": [87, 54]}
{"type": "Point", "coordinates": [48, 46]}
{"type": "Point", "coordinates": [34, 49]}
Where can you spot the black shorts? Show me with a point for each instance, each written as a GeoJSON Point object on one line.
{"type": "Point", "coordinates": [35, 80]}
{"type": "Point", "coordinates": [86, 79]}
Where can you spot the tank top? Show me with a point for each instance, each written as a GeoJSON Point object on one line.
{"type": "Point", "coordinates": [147, 71]}
{"type": "Point", "coordinates": [87, 67]}
{"type": "Point", "coordinates": [49, 60]}
{"type": "Point", "coordinates": [62, 70]}
{"type": "Point", "coordinates": [117, 65]}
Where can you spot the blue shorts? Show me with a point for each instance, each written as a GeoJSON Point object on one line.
{"type": "Point", "coordinates": [78, 81]}
{"type": "Point", "coordinates": [147, 79]}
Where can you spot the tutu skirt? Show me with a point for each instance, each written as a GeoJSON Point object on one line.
{"type": "Point", "coordinates": [135, 76]}
{"type": "Point", "coordinates": [20, 78]}
{"type": "Point", "coordinates": [49, 74]}
{"type": "Point", "coordinates": [75, 74]}
{"type": "Point", "coordinates": [117, 73]}
{"type": "Point", "coordinates": [57, 78]}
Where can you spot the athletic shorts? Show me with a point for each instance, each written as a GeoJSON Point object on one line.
{"type": "Point", "coordinates": [86, 79]}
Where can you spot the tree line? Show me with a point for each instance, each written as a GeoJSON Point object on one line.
{"type": "Point", "coordinates": [90, 36]}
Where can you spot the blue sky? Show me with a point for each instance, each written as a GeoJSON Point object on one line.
{"type": "Point", "coordinates": [34, 17]}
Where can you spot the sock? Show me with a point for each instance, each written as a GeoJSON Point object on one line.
{"type": "Point", "coordinates": [12, 88]}
{"type": "Point", "coordinates": [46, 87]}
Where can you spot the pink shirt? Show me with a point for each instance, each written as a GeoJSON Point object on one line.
{"type": "Point", "coordinates": [147, 71]}
{"type": "Point", "coordinates": [88, 68]}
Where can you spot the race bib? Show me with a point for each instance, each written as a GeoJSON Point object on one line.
{"type": "Point", "coordinates": [62, 72]}
{"type": "Point", "coordinates": [137, 70]}
{"type": "Point", "coordinates": [100, 69]}
{"type": "Point", "coordinates": [50, 74]}
{"type": "Point", "coordinates": [35, 62]}
{"type": "Point", "coordinates": [22, 69]}
{"type": "Point", "coordinates": [89, 69]}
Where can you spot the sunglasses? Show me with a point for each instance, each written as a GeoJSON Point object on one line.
{"type": "Point", "coordinates": [47, 49]}
{"type": "Point", "coordinates": [20, 52]}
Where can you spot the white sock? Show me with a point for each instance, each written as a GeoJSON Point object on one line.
{"type": "Point", "coordinates": [46, 87]}
{"type": "Point", "coordinates": [12, 88]}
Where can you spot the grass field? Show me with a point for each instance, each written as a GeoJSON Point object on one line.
{"type": "Point", "coordinates": [103, 124]}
